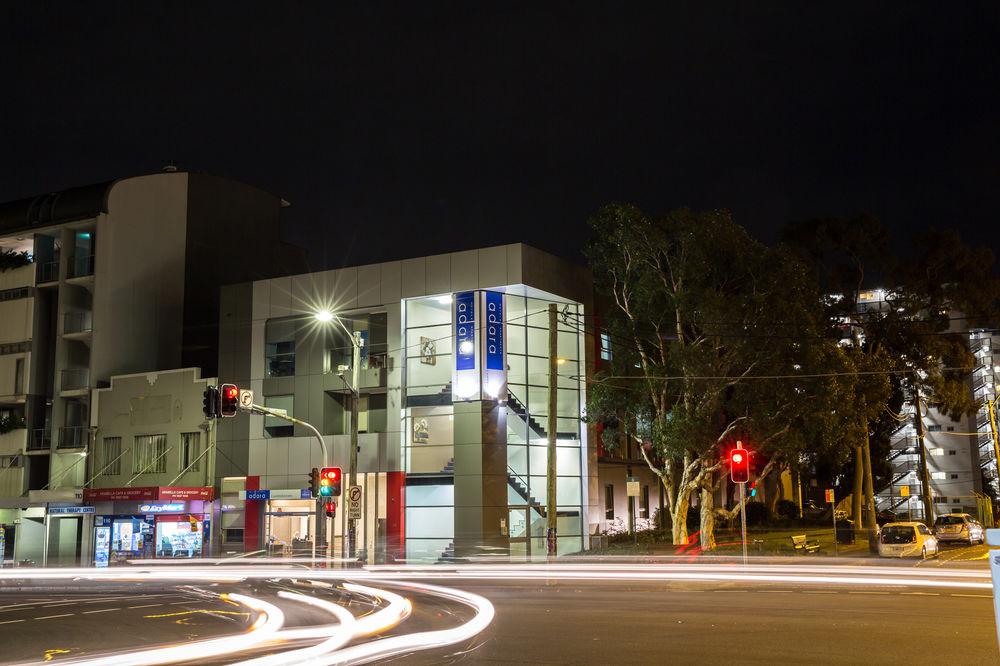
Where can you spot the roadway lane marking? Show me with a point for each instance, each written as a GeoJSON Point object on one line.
{"type": "Point", "coordinates": [973, 596]}
{"type": "Point", "coordinates": [102, 610]}
{"type": "Point", "coordinates": [49, 617]}
{"type": "Point", "coordinates": [865, 592]}
{"type": "Point", "coordinates": [924, 594]}
{"type": "Point", "coordinates": [61, 603]}
{"type": "Point", "coordinates": [11, 621]}
{"type": "Point", "coordinates": [819, 592]}
{"type": "Point", "coordinates": [146, 606]}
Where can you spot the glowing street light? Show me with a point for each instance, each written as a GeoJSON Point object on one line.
{"type": "Point", "coordinates": [323, 315]}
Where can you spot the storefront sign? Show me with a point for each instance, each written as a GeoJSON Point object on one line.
{"type": "Point", "coordinates": [494, 331]}
{"type": "Point", "coordinates": [295, 493]}
{"type": "Point", "coordinates": [161, 508]}
{"type": "Point", "coordinates": [70, 510]}
{"type": "Point", "coordinates": [494, 381]}
{"type": "Point", "coordinates": [465, 331]}
{"type": "Point", "coordinates": [149, 494]}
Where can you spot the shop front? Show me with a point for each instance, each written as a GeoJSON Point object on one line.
{"type": "Point", "coordinates": [148, 523]}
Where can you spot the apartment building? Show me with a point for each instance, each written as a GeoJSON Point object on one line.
{"type": "Point", "coordinates": [124, 280]}
{"type": "Point", "coordinates": [453, 392]}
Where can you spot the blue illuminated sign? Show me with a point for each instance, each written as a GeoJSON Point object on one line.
{"type": "Point", "coordinates": [494, 331]}
{"type": "Point", "coordinates": [258, 494]}
{"type": "Point", "coordinates": [465, 331]}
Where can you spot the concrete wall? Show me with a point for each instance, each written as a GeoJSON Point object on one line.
{"type": "Point", "coordinates": [168, 403]}
{"type": "Point", "coordinates": [139, 276]}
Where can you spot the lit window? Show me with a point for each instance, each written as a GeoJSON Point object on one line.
{"type": "Point", "coordinates": [937, 452]}
{"type": "Point", "coordinates": [939, 475]}
{"type": "Point", "coordinates": [605, 346]}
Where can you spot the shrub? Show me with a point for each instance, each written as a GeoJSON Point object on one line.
{"type": "Point", "coordinates": [757, 513]}
{"type": "Point", "coordinates": [786, 509]}
{"type": "Point", "coordinates": [9, 259]}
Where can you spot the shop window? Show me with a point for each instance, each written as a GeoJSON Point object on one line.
{"type": "Point", "coordinates": [609, 502]}
{"type": "Point", "coordinates": [232, 535]}
{"type": "Point", "coordinates": [191, 451]}
{"type": "Point", "coordinates": [149, 455]}
{"type": "Point", "coordinates": [275, 427]}
{"type": "Point", "coordinates": [111, 456]}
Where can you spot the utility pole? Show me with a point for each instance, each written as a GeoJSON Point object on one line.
{"type": "Point", "coordinates": [925, 477]}
{"type": "Point", "coordinates": [352, 523]}
{"type": "Point", "coordinates": [550, 503]}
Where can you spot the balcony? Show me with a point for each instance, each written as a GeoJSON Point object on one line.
{"type": "Point", "coordinates": [48, 271]}
{"type": "Point", "coordinates": [74, 437]}
{"type": "Point", "coordinates": [81, 266]}
{"type": "Point", "coordinates": [75, 379]}
{"type": "Point", "coordinates": [39, 439]}
{"type": "Point", "coordinates": [75, 323]}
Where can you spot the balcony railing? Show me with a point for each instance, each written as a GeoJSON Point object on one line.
{"type": "Point", "coordinates": [77, 322]}
{"type": "Point", "coordinates": [39, 439]}
{"type": "Point", "coordinates": [74, 437]}
{"type": "Point", "coordinates": [74, 379]}
{"type": "Point", "coordinates": [48, 271]}
{"type": "Point", "coordinates": [82, 265]}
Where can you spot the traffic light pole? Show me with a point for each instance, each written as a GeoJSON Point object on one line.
{"type": "Point", "coordinates": [352, 523]}
{"type": "Point", "coordinates": [320, 516]}
{"type": "Point", "coordinates": [743, 512]}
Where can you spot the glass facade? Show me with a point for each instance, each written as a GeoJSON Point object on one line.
{"type": "Point", "coordinates": [430, 430]}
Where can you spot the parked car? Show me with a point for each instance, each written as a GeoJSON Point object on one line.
{"type": "Point", "coordinates": [959, 527]}
{"type": "Point", "coordinates": [907, 540]}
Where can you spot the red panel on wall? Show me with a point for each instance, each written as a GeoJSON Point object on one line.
{"type": "Point", "coordinates": [395, 515]}
{"type": "Point", "coordinates": [251, 517]}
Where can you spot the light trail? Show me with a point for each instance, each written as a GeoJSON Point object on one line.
{"type": "Point", "coordinates": [268, 622]}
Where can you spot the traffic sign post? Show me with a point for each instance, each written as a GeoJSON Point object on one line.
{"type": "Point", "coordinates": [832, 500]}
{"type": "Point", "coordinates": [354, 503]}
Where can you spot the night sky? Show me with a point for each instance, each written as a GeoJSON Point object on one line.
{"type": "Point", "coordinates": [412, 128]}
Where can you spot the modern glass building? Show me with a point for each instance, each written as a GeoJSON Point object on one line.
{"type": "Point", "coordinates": [454, 404]}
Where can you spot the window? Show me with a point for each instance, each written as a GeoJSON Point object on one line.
{"type": "Point", "coordinates": [605, 346]}
{"type": "Point", "coordinates": [957, 500]}
{"type": "Point", "coordinates": [941, 500]}
{"type": "Point", "coordinates": [951, 428]}
{"type": "Point", "coordinates": [111, 452]}
{"type": "Point", "coordinates": [14, 294]}
{"type": "Point", "coordinates": [19, 376]}
{"type": "Point", "coordinates": [190, 451]}
{"type": "Point", "coordinates": [934, 428]}
{"type": "Point", "coordinates": [938, 475]}
{"type": "Point", "coordinates": [7, 462]}
{"type": "Point", "coordinates": [954, 476]}
{"type": "Point", "coordinates": [279, 359]}
{"type": "Point", "coordinates": [275, 427]}
{"type": "Point", "coordinates": [644, 503]}
{"type": "Point", "coordinates": [609, 502]}
{"type": "Point", "coordinates": [150, 454]}
{"type": "Point", "coordinates": [937, 452]}
{"type": "Point", "coordinates": [951, 453]}
{"type": "Point", "coordinates": [232, 535]}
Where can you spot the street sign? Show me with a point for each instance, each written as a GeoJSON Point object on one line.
{"type": "Point", "coordinates": [354, 503]}
{"type": "Point", "coordinates": [246, 399]}
{"type": "Point", "coordinates": [830, 498]}
{"type": "Point", "coordinates": [632, 488]}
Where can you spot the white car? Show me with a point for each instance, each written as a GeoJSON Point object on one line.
{"type": "Point", "coordinates": [907, 540]}
{"type": "Point", "coordinates": [959, 527]}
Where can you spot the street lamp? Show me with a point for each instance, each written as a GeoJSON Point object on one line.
{"type": "Point", "coordinates": [357, 343]}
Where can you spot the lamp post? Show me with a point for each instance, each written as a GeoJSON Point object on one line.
{"type": "Point", "coordinates": [357, 343]}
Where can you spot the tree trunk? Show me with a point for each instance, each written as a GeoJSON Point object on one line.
{"type": "Point", "coordinates": [707, 513]}
{"type": "Point", "coordinates": [925, 477]}
{"type": "Point", "coordinates": [797, 489]}
{"type": "Point", "coordinates": [869, 485]}
{"type": "Point", "coordinates": [859, 484]}
{"type": "Point", "coordinates": [679, 529]}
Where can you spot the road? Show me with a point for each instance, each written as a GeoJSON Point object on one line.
{"type": "Point", "coordinates": [800, 612]}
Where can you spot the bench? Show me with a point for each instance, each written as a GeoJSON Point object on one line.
{"type": "Point", "coordinates": [799, 542]}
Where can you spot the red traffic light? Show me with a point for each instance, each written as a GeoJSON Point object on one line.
{"type": "Point", "coordinates": [229, 398]}
{"type": "Point", "coordinates": [232, 391]}
{"type": "Point", "coordinates": [739, 465]}
{"type": "Point", "coordinates": [330, 482]}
